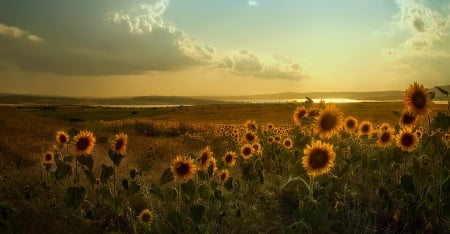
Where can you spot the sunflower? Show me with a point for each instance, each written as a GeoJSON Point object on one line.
{"type": "Point", "coordinates": [223, 176]}
{"type": "Point", "coordinates": [270, 126]}
{"type": "Point", "coordinates": [329, 121]}
{"type": "Point", "coordinates": [62, 137]}
{"type": "Point", "coordinates": [183, 168]}
{"type": "Point", "coordinates": [119, 145]}
{"type": "Point", "coordinates": [270, 140]}
{"type": "Point", "coordinates": [251, 125]}
{"type": "Point", "coordinates": [384, 127]}
{"type": "Point", "coordinates": [230, 158]}
{"type": "Point", "coordinates": [350, 124]}
{"type": "Point", "coordinates": [385, 137]}
{"type": "Point", "coordinates": [205, 158]}
{"type": "Point", "coordinates": [250, 137]}
{"type": "Point", "coordinates": [407, 140]}
{"type": "Point", "coordinates": [319, 158]}
{"type": "Point", "coordinates": [417, 99]}
{"type": "Point", "coordinates": [247, 151]}
{"type": "Point", "coordinates": [299, 113]}
{"type": "Point", "coordinates": [407, 119]}
{"type": "Point", "coordinates": [146, 217]}
{"type": "Point", "coordinates": [287, 143]}
{"type": "Point", "coordinates": [84, 142]}
{"type": "Point", "coordinates": [257, 147]}
{"type": "Point", "coordinates": [48, 157]}
{"type": "Point", "coordinates": [365, 128]}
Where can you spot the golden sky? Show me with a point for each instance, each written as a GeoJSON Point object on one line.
{"type": "Point", "coordinates": [109, 48]}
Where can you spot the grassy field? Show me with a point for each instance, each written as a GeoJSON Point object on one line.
{"type": "Point", "coordinates": [370, 189]}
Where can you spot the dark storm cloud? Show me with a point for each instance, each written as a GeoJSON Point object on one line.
{"type": "Point", "coordinates": [80, 39]}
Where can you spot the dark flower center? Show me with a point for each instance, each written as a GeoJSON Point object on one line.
{"type": "Point", "coordinates": [82, 143]}
{"type": "Point", "coordinates": [350, 123]}
{"type": "Point", "coordinates": [204, 157]}
{"type": "Point", "coordinates": [247, 151]}
{"type": "Point", "coordinates": [328, 122]}
{"type": "Point", "coordinates": [385, 137]}
{"type": "Point", "coordinates": [408, 118]}
{"type": "Point", "coordinates": [418, 100]}
{"type": "Point", "coordinates": [223, 176]}
{"type": "Point", "coordinates": [318, 158]}
{"type": "Point", "coordinates": [182, 168]}
{"type": "Point", "coordinates": [301, 114]}
{"type": "Point", "coordinates": [229, 158]}
{"type": "Point", "coordinates": [119, 144]}
{"type": "Point", "coordinates": [62, 139]}
{"type": "Point", "coordinates": [287, 143]}
{"type": "Point", "coordinates": [146, 218]}
{"type": "Point", "coordinates": [365, 128]}
{"type": "Point", "coordinates": [249, 136]}
{"type": "Point", "coordinates": [407, 140]}
{"type": "Point", "coordinates": [48, 157]}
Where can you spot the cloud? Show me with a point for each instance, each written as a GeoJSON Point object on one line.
{"type": "Point", "coordinates": [245, 62]}
{"type": "Point", "coordinates": [253, 3]}
{"type": "Point", "coordinates": [16, 32]}
{"type": "Point", "coordinates": [121, 37]}
{"type": "Point", "coordinates": [426, 29]}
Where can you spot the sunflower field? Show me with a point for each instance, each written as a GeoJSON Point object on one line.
{"type": "Point", "coordinates": [323, 172]}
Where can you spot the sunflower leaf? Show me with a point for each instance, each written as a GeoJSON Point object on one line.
{"type": "Point", "coordinates": [166, 177]}
{"type": "Point", "coordinates": [156, 190]}
{"type": "Point", "coordinates": [107, 172]}
{"type": "Point", "coordinates": [75, 196]}
{"type": "Point", "coordinates": [196, 212]}
{"type": "Point", "coordinates": [87, 161]}
{"type": "Point", "coordinates": [63, 170]}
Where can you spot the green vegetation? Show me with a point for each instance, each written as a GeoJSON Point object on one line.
{"type": "Point", "coordinates": [369, 188]}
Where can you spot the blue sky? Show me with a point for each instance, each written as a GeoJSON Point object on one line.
{"type": "Point", "coordinates": [236, 47]}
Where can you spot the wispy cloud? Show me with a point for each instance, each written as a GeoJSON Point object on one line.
{"type": "Point", "coordinates": [16, 32]}
{"type": "Point", "coordinates": [253, 3]}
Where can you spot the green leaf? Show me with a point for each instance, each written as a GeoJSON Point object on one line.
{"type": "Point", "coordinates": [87, 161]}
{"type": "Point", "coordinates": [74, 196]}
{"type": "Point", "coordinates": [175, 219]}
{"type": "Point", "coordinates": [156, 190]}
{"type": "Point", "coordinates": [68, 158]}
{"type": "Point", "coordinates": [196, 212]}
{"type": "Point", "coordinates": [125, 184]}
{"type": "Point", "coordinates": [107, 172]}
{"type": "Point", "coordinates": [293, 183]}
{"type": "Point", "coordinates": [443, 91]}
{"type": "Point", "coordinates": [63, 170]}
{"type": "Point", "coordinates": [116, 158]}
{"type": "Point", "coordinates": [204, 191]}
{"type": "Point", "coordinates": [407, 183]}
{"type": "Point", "coordinates": [90, 176]}
{"type": "Point", "coordinates": [166, 177]}
{"type": "Point", "coordinates": [170, 194]}
{"type": "Point", "coordinates": [228, 184]}
{"type": "Point", "coordinates": [396, 113]}
{"type": "Point", "coordinates": [133, 188]}
{"type": "Point", "coordinates": [188, 189]}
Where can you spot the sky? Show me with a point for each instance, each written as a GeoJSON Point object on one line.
{"type": "Point", "coordinates": [108, 48]}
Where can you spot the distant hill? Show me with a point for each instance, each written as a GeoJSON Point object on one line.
{"type": "Point", "coordinates": [393, 95]}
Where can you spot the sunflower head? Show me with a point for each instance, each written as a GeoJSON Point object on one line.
{"type": "Point", "coordinates": [62, 137]}
{"type": "Point", "coordinates": [183, 168]}
{"type": "Point", "coordinates": [328, 122]}
{"type": "Point", "coordinates": [417, 99]}
{"type": "Point", "coordinates": [287, 143]}
{"type": "Point", "coordinates": [119, 144]}
{"type": "Point", "coordinates": [247, 151]}
{"type": "Point", "coordinates": [408, 119]}
{"type": "Point", "coordinates": [407, 140]}
{"type": "Point", "coordinates": [224, 175]}
{"type": "Point", "coordinates": [250, 137]}
{"type": "Point", "coordinates": [204, 158]}
{"type": "Point", "coordinates": [385, 137]}
{"type": "Point", "coordinates": [257, 148]}
{"type": "Point", "coordinates": [299, 113]}
{"type": "Point", "coordinates": [48, 157]}
{"type": "Point", "coordinates": [251, 125]}
{"type": "Point", "coordinates": [365, 128]}
{"type": "Point", "coordinates": [270, 140]}
{"type": "Point", "coordinates": [84, 142]}
{"type": "Point", "coordinates": [319, 158]}
{"type": "Point", "coordinates": [350, 124]}
{"type": "Point", "coordinates": [146, 217]}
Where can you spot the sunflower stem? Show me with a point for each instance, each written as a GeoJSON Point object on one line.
{"type": "Point", "coordinates": [179, 195]}
{"type": "Point", "coordinates": [114, 179]}
{"type": "Point", "coordinates": [76, 170]}
{"type": "Point", "coordinates": [311, 187]}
